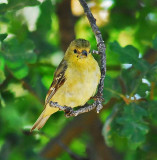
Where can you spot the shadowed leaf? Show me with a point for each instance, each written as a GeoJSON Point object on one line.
{"type": "Point", "coordinates": [3, 37]}
{"type": "Point", "coordinates": [129, 55]}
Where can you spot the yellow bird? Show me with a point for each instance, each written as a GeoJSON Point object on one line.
{"type": "Point", "coordinates": [75, 80]}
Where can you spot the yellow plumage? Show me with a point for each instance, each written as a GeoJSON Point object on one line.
{"type": "Point", "coordinates": [75, 80]}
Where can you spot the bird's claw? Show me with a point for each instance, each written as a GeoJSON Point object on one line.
{"type": "Point", "coordinates": [99, 107]}
{"type": "Point", "coordinates": [68, 111]}
{"type": "Point", "coordinates": [97, 97]}
{"type": "Point", "coordinates": [98, 100]}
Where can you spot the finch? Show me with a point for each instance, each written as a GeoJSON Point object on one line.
{"type": "Point", "coordinates": [75, 80]}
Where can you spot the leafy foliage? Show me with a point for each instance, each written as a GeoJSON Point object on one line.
{"type": "Point", "coordinates": [30, 50]}
{"type": "Point", "coordinates": [17, 4]}
{"type": "Point", "coordinates": [18, 55]}
{"type": "Point", "coordinates": [132, 125]}
{"type": "Point", "coordinates": [129, 55]}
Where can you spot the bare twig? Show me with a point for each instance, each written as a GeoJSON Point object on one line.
{"type": "Point", "coordinates": [101, 50]}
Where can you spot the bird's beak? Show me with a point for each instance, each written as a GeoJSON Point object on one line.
{"type": "Point", "coordinates": [84, 53]}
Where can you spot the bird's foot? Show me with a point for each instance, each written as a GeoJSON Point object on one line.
{"type": "Point", "coordinates": [56, 105]}
{"type": "Point", "coordinates": [99, 106]}
{"type": "Point", "coordinates": [68, 111]}
{"type": "Point", "coordinates": [98, 101]}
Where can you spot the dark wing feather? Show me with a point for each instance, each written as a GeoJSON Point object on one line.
{"type": "Point", "coordinates": [58, 81]}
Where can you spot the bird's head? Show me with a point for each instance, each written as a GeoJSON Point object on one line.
{"type": "Point", "coordinates": [78, 49]}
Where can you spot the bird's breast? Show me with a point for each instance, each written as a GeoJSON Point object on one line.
{"type": "Point", "coordinates": [80, 85]}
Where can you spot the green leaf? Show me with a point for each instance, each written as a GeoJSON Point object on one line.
{"type": "Point", "coordinates": [107, 82]}
{"type": "Point", "coordinates": [129, 81]}
{"type": "Point", "coordinates": [31, 3]}
{"type": "Point", "coordinates": [155, 43]}
{"type": "Point", "coordinates": [17, 4]}
{"type": "Point", "coordinates": [3, 37]}
{"type": "Point", "coordinates": [132, 125]}
{"type": "Point", "coordinates": [142, 89]}
{"type": "Point", "coordinates": [13, 121]}
{"type": "Point", "coordinates": [2, 76]}
{"type": "Point", "coordinates": [20, 72]}
{"type": "Point", "coordinates": [3, 8]}
{"type": "Point", "coordinates": [108, 129]}
{"type": "Point", "coordinates": [2, 102]}
{"type": "Point", "coordinates": [152, 110]}
{"type": "Point", "coordinates": [111, 88]}
{"type": "Point", "coordinates": [2, 62]}
{"type": "Point", "coordinates": [44, 23]}
{"type": "Point", "coordinates": [17, 55]}
{"type": "Point", "coordinates": [16, 51]}
{"type": "Point", "coordinates": [16, 27]}
{"type": "Point", "coordinates": [129, 55]}
{"type": "Point", "coordinates": [152, 73]}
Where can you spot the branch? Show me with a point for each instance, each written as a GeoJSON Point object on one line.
{"type": "Point", "coordinates": [69, 112]}
{"type": "Point", "coordinates": [101, 50]}
{"type": "Point", "coordinates": [73, 130]}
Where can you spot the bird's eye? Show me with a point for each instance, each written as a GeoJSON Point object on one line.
{"type": "Point", "coordinates": [75, 51]}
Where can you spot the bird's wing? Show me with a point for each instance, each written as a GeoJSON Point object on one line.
{"type": "Point", "coordinates": [58, 81]}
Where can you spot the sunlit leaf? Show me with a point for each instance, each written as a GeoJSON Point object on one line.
{"type": "Point", "coordinates": [20, 72]}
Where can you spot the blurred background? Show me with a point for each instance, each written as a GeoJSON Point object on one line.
{"type": "Point", "coordinates": [34, 35]}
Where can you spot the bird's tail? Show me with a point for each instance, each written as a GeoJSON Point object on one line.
{"type": "Point", "coordinates": [43, 117]}
{"type": "Point", "coordinates": [40, 121]}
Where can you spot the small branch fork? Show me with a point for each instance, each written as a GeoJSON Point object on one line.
{"type": "Point", "coordinates": [69, 112]}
